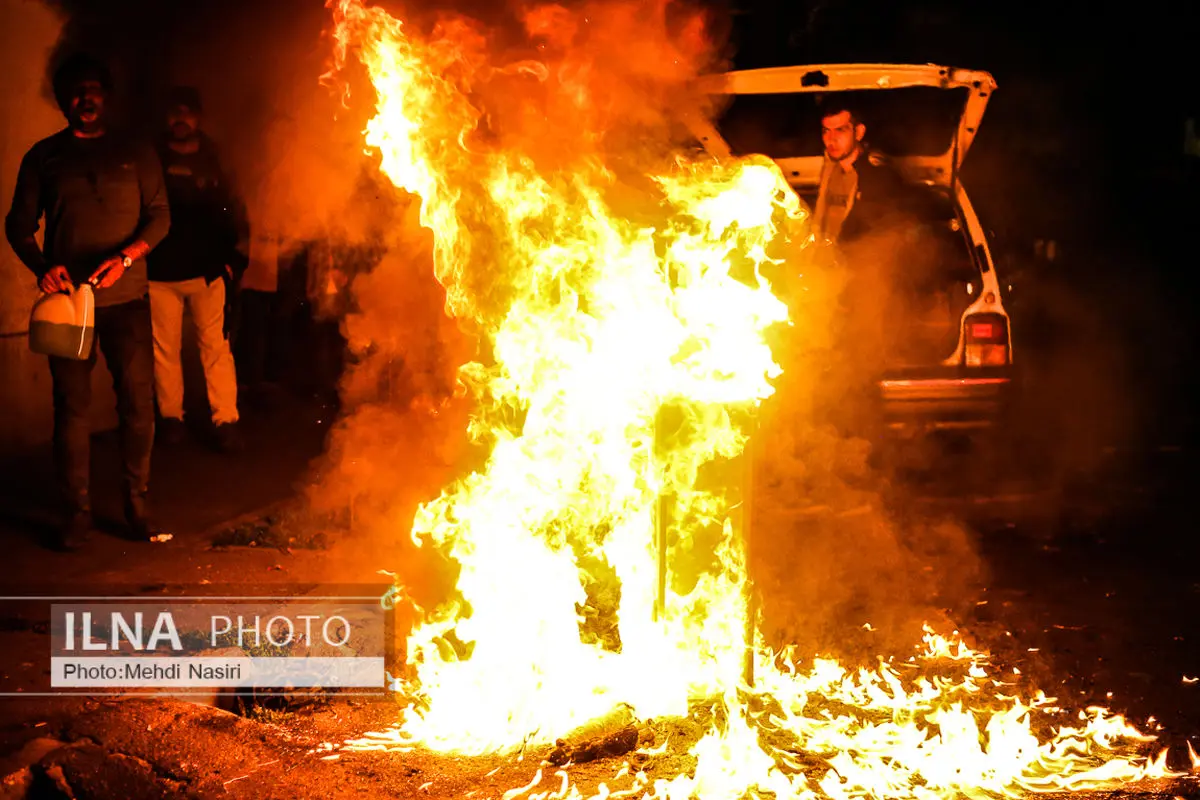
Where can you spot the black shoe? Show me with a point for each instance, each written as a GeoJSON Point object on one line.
{"type": "Point", "coordinates": [228, 438]}
{"type": "Point", "coordinates": [141, 527]}
{"type": "Point", "coordinates": [172, 431]}
{"type": "Point", "coordinates": [73, 533]}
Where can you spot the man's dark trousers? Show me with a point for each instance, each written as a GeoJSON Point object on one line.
{"type": "Point", "coordinates": [123, 332]}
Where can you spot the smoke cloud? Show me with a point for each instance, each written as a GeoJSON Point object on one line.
{"type": "Point", "coordinates": [843, 563]}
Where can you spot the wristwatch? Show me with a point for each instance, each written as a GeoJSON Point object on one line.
{"type": "Point", "coordinates": [126, 261]}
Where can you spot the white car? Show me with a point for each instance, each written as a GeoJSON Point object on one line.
{"type": "Point", "coordinates": [954, 368]}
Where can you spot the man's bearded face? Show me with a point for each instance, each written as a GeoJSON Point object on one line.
{"type": "Point", "coordinates": [87, 106]}
{"type": "Point", "coordinates": [182, 123]}
{"type": "Point", "coordinates": [841, 135]}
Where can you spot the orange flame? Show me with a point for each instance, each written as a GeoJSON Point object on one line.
{"type": "Point", "coordinates": [604, 297]}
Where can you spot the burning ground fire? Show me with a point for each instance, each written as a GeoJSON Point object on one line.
{"type": "Point", "coordinates": [624, 325]}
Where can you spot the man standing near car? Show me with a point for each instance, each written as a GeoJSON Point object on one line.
{"type": "Point", "coordinates": [860, 209]}
{"type": "Point", "coordinates": [191, 268]}
{"type": "Point", "coordinates": [105, 209]}
{"type": "Point", "coordinates": [858, 194]}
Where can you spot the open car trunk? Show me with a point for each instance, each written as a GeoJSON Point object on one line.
{"type": "Point", "coordinates": [907, 301]}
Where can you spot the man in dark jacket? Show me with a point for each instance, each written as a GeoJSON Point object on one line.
{"type": "Point", "coordinates": [191, 268]}
{"type": "Point", "coordinates": [105, 209]}
{"type": "Point", "coordinates": [859, 194]}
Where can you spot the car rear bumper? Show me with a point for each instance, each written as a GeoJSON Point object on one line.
{"type": "Point", "coordinates": [960, 399]}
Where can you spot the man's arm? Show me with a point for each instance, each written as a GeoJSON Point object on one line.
{"type": "Point", "coordinates": [21, 224]}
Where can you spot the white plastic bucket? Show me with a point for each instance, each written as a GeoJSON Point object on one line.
{"type": "Point", "coordinates": [63, 324]}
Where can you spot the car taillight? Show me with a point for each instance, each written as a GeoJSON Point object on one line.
{"type": "Point", "coordinates": [986, 340]}
{"type": "Point", "coordinates": [982, 331]}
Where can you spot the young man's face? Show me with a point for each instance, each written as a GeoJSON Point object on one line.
{"type": "Point", "coordinates": [182, 122]}
{"type": "Point", "coordinates": [841, 135]}
{"type": "Point", "coordinates": [87, 106]}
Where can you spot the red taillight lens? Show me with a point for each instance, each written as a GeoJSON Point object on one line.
{"type": "Point", "coordinates": [981, 331]}
{"type": "Point", "coordinates": [987, 329]}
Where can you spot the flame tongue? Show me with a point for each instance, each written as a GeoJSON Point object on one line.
{"type": "Point", "coordinates": [595, 322]}
{"type": "Point", "coordinates": [624, 363]}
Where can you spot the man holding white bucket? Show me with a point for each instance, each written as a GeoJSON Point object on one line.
{"type": "Point", "coordinates": [105, 208]}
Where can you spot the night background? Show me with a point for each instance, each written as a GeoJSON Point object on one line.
{"type": "Point", "coordinates": [1079, 550]}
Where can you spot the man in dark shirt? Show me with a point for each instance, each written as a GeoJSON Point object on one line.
{"type": "Point", "coordinates": [105, 209]}
{"type": "Point", "coordinates": [190, 268]}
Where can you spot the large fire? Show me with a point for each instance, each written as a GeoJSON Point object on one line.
{"type": "Point", "coordinates": [623, 325]}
